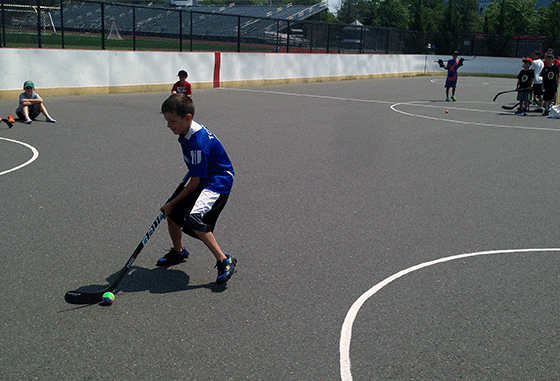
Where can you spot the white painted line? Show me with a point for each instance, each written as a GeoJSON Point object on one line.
{"type": "Point", "coordinates": [440, 80]}
{"type": "Point", "coordinates": [346, 332]}
{"type": "Point", "coordinates": [416, 103]}
{"type": "Point", "coordinates": [412, 103]}
{"type": "Point", "coordinates": [35, 156]}
{"type": "Point", "coordinates": [308, 95]}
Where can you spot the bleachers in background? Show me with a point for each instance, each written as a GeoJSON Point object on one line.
{"type": "Point", "coordinates": [215, 21]}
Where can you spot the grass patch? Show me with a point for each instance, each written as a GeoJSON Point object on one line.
{"type": "Point", "coordinates": [94, 42]}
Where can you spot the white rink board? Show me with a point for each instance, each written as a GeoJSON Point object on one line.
{"type": "Point", "coordinates": [83, 69]}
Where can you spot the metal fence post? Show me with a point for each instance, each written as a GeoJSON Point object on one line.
{"type": "Point", "coordinates": [361, 40]}
{"type": "Point", "coordinates": [328, 37]}
{"type": "Point", "coordinates": [3, 26]}
{"type": "Point", "coordinates": [277, 35]}
{"type": "Point", "coordinates": [180, 30]}
{"type": "Point", "coordinates": [62, 24]}
{"type": "Point", "coordinates": [133, 28]}
{"type": "Point", "coordinates": [238, 34]}
{"type": "Point", "coordinates": [288, 39]}
{"type": "Point", "coordinates": [39, 44]}
{"type": "Point", "coordinates": [103, 26]}
{"type": "Point", "coordinates": [311, 40]}
{"type": "Point", "coordinates": [388, 41]}
{"type": "Point", "coordinates": [190, 33]}
{"type": "Point", "coordinates": [339, 39]}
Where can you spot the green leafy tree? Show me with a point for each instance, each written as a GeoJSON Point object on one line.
{"type": "Point", "coordinates": [505, 19]}
{"type": "Point", "coordinates": [511, 17]}
{"type": "Point", "coordinates": [549, 24]}
{"type": "Point", "coordinates": [352, 10]}
{"type": "Point", "coordinates": [432, 12]}
{"type": "Point", "coordinates": [394, 14]}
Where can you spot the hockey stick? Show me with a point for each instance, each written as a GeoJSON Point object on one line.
{"type": "Point", "coordinates": [79, 297]}
{"type": "Point", "coordinates": [461, 59]}
{"type": "Point", "coordinates": [8, 122]}
{"type": "Point", "coordinates": [510, 107]}
{"type": "Point", "coordinates": [509, 91]}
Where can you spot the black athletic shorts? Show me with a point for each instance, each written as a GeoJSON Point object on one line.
{"type": "Point", "coordinates": [33, 113]}
{"type": "Point", "coordinates": [549, 92]}
{"type": "Point", "coordinates": [537, 89]}
{"type": "Point", "coordinates": [198, 211]}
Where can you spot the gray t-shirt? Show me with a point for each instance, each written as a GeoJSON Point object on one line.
{"type": "Point", "coordinates": [23, 96]}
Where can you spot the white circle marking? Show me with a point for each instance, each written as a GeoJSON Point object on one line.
{"type": "Point", "coordinates": [346, 332]}
{"type": "Point", "coordinates": [35, 156]}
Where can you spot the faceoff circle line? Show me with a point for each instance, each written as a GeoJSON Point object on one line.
{"type": "Point", "coordinates": [33, 158]}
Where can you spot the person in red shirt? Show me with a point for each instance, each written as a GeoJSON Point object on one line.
{"type": "Point", "coordinates": [182, 86]}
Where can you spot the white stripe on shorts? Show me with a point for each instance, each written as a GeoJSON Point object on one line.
{"type": "Point", "coordinates": [205, 202]}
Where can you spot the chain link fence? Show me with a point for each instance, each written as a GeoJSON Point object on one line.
{"type": "Point", "coordinates": [103, 25]}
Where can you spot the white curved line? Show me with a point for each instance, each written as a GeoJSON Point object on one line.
{"type": "Point", "coordinates": [393, 107]}
{"type": "Point", "coordinates": [35, 156]}
{"type": "Point", "coordinates": [346, 332]}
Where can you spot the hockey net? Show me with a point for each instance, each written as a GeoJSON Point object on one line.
{"type": "Point", "coordinates": [114, 32]}
{"type": "Point", "coordinates": [26, 17]}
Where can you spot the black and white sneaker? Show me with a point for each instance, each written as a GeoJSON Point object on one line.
{"type": "Point", "coordinates": [173, 257]}
{"type": "Point", "coordinates": [226, 268]}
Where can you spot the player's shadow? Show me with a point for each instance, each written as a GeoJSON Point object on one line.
{"type": "Point", "coordinates": [159, 280]}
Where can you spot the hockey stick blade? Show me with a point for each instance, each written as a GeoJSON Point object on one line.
{"type": "Point", "coordinates": [502, 92]}
{"type": "Point", "coordinates": [79, 297]}
{"type": "Point", "coordinates": [510, 107]}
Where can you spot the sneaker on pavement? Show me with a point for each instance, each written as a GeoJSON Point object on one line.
{"type": "Point", "coordinates": [453, 98]}
{"type": "Point", "coordinates": [27, 121]}
{"type": "Point", "coordinates": [173, 257]}
{"type": "Point", "coordinates": [447, 99]}
{"type": "Point", "coordinates": [51, 120]}
{"type": "Point", "coordinates": [226, 268]}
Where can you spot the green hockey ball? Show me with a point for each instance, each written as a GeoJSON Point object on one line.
{"type": "Point", "coordinates": [108, 298]}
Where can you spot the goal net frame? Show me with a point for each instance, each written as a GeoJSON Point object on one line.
{"type": "Point", "coordinates": [32, 11]}
{"type": "Point", "coordinates": [114, 32]}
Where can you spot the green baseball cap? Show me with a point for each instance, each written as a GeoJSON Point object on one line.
{"type": "Point", "coordinates": [28, 84]}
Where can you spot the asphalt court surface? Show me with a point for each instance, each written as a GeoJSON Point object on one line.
{"type": "Point", "coordinates": [378, 237]}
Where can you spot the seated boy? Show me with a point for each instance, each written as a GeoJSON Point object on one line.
{"type": "Point", "coordinates": [31, 105]}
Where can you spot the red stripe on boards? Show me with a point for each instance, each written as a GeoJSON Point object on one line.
{"type": "Point", "coordinates": [217, 62]}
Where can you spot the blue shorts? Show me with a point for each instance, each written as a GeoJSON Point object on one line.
{"type": "Point", "coordinates": [449, 84]}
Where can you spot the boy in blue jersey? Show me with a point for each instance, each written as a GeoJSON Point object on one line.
{"type": "Point", "coordinates": [198, 201]}
{"type": "Point", "coordinates": [451, 80]}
